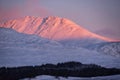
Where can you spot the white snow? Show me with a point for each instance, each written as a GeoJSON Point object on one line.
{"type": "Point", "coordinates": [110, 48]}
{"type": "Point", "coordinates": [17, 49]}
{"type": "Point", "coordinates": [46, 77]}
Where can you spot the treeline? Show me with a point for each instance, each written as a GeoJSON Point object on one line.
{"type": "Point", "coordinates": [73, 69]}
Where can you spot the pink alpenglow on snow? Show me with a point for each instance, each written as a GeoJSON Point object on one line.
{"type": "Point", "coordinates": [54, 28]}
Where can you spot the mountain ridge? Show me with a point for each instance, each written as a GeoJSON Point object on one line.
{"type": "Point", "coordinates": [54, 28]}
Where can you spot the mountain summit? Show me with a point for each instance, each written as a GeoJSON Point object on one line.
{"type": "Point", "coordinates": [54, 28]}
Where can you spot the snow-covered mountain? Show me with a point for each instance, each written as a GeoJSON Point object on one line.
{"type": "Point", "coordinates": [60, 29]}
{"type": "Point", "coordinates": [110, 48]}
{"type": "Point", "coordinates": [37, 46]}
{"type": "Point", "coordinates": [10, 38]}
{"type": "Point", "coordinates": [18, 49]}
{"type": "Point", "coordinates": [54, 28]}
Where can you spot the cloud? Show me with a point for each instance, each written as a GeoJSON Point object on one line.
{"type": "Point", "coordinates": [33, 7]}
{"type": "Point", "coordinates": [25, 8]}
{"type": "Point", "coordinates": [6, 14]}
{"type": "Point", "coordinates": [110, 32]}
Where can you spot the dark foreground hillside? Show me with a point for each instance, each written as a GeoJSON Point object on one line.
{"type": "Point", "coordinates": [73, 69]}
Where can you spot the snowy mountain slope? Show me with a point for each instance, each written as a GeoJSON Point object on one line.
{"type": "Point", "coordinates": [11, 38]}
{"type": "Point", "coordinates": [17, 49]}
{"type": "Point", "coordinates": [80, 43]}
{"type": "Point", "coordinates": [111, 48]}
{"type": "Point", "coordinates": [63, 30]}
{"type": "Point", "coordinates": [54, 28]}
{"type": "Point", "coordinates": [12, 57]}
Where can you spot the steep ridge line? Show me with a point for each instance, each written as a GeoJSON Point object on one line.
{"type": "Point", "coordinates": [54, 28]}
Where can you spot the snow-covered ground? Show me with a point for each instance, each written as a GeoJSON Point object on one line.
{"type": "Point", "coordinates": [17, 49]}
{"type": "Point", "coordinates": [45, 77]}
{"type": "Point", "coordinates": [110, 48]}
{"type": "Point", "coordinates": [24, 56]}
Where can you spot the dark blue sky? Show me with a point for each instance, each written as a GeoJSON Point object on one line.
{"type": "Point", "coordinates": [99, 16]}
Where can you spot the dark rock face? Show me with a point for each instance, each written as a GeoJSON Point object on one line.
{"type": "Point", "coordinates": [74, 69]}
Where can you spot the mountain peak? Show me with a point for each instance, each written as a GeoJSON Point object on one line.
{"type": "Point", "coordinates": [51, 27]}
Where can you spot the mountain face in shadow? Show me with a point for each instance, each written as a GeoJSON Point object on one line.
{"type": "Point", "coordinates": [10, 38]}
{"type": "Point", "coordinates": [54, 28]}
{"type": "Point", "coordinates": [109, 48]}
